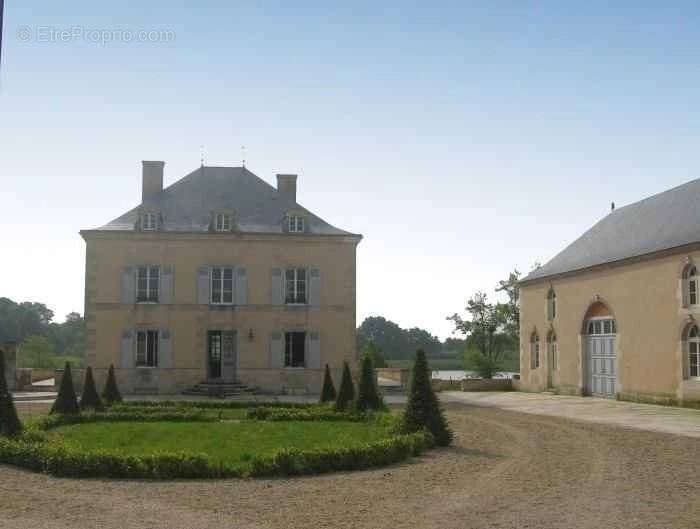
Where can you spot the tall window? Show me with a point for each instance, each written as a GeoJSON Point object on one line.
{"type": "Point", "coordinates": [551, 304]}
{"type": "Point", "coordinates": [147, 349]}
{"type": "Point", "coordinates": [694, 352]}
{"type": "Point", "coordinates": [601, 326]}
{"type": "Point", "coordinates": [296, 223]}
{"type": "Point", "coordinates": [693, 283]}
{"type": "Point", "coordinates": [295, 286]}
{"type": "Point", "coordinates": [553, 351]}
{"type": "Point", "coordinates": [294, 349]}
{"type": "Point", "coordinates": [222, 285]}
{"type": "Point", "coordinates": [149, 221]}
{"type": "Point", "coordinates": [147, 284]}
{"type": "Point", "coordinates": [222, 222]}
{"type": "Point", "coordinates": [534, 350]}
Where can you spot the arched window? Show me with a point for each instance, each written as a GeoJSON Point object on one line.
{"type": "Point", "coordinates": [694, 352]}
{"type": "Point", "coordinates": [553, 348]}
{"type": "Point", "coordinates": [551, 304]}
{"type": "Point", "coordinates": [693, 283]}
{"type": "Point", "coordinates": [534, 350]}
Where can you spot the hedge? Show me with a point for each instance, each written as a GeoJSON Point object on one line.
{"type": "Point", "coordinates": [54, 421]}
{"type": "Point", "coordinates": [208, 405]}
{"type": "Point", "coordinates": [58, 459]}
{"type": "Point", "coordinates": [315, 414]}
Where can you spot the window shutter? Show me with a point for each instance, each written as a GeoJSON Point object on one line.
{"type": "Point", "coordinates": [203, 285]}
{"type": "Point", "coordinates": [166, 285]}
{"type": "Point", "coordinates": [313, 358]}
{"type": "Point", "coordinates": [241, 287]}
{"type": "Point", "coordinates": [285, 224]}
{"type": "Point", "coordinates": [276, 350]}
{"type": "Point", "coordinates": [129, 285]}
{"type": "Point", "coordinates": [315, 287]}
{"type": "Point", "coordinates": [685, 293]}
{"type": "Point", "coordinates": [128, 353]}
{"type": "Point", "coordinates": [277, 287]}
{"type": "Point", "coordinates": [165, 350]}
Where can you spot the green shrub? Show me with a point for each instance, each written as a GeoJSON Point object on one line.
{"type": "Point", "coordinates": [368, 396]}
{"type": "Point", "coordinates": [66, 401]}
{"type": "Point", "coordinates": [423, 409]}
{"type": "Point", "coordinates": [10, 425]}
{"type": "Point", "coordinates": [213, 405]}
{"type": "Point", "coordinates": [90, 400]}
{"type": "Point", "coordinates": [313, 414]}
{"type": "Point", "coordinates": [111, 394]}
{"type": "Point", "coordinates": [346, 393]}
{"type": "Point", "coordinates": [54, 421]}
{"type": "Point", "coordinates": [328, 391]}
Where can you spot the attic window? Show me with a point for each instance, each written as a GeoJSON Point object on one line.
{"type": "Point", "coordinates": [296, 224]}
{"type": "Point", "coordinates": [149, 222]}
{"type": "Point", "coordinates": [222, 222]}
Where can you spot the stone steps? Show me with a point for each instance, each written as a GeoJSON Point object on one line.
{"type": "Point", "coordinates": [219, 389]}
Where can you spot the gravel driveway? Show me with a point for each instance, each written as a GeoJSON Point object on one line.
{"type": "Point", "coordinates": [506, 470]}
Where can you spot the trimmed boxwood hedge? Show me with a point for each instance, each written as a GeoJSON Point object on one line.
{"type": "Point", "coordinates": [208, 405]}
{"type": "Point", "coordinates": [56, 458]}
{"type": "Point", "coordinates": [54, 421]}
{"type": "Point", "coordinates": [313, 414]}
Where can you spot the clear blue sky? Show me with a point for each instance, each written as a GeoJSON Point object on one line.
{"type": "Point", "coordinates": [462, 139]}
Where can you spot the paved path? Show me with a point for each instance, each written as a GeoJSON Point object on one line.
{"type": "Point", "coordinates": [678, 421]}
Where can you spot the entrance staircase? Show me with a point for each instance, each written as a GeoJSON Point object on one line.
{"type": "Point", "coordinates": [217, 388]}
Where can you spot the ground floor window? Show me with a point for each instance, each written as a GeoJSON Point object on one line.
{"type": "Point", "coordinates": [294, 349]}
{"type": "Point", "coordinates": [534, 351]}
{"type": "Point", "coordinates": [694, 352]}
{"type": "Point", "coordinates": [147, 349]}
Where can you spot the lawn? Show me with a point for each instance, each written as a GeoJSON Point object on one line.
{"type": "Point", "coordinates": [231, 443]}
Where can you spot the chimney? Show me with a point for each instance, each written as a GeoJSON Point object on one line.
{"type": "Point", "coordinates": [287, 185]}
{"type": "Point", "coordinates": [152, 181]}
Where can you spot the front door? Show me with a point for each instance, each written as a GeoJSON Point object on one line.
{"type": "Point", "coordinates": [601, 358]}
{"type": "Point", "coordinates": [222, 356]}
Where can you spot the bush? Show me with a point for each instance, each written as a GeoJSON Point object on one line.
{"type": "Point", "coordinates": [10, 425]}
{"type": "Point", "coordinates": [90, 399]}
{"type": "Point", "coordinates": [368, 396]}
{"type": "Point", "coordinates": [317, 414]}
{"type": "Point", "coordinates": [66, 401]}
{"type": "Point", "coordinates": [328, 391]}
{"type": "Point", "coordinates": [213, 405]}
{"type": "Point", "coordinates": [111, 393]}
{"type": "Point", "coordinates": [423, 408]}
{"type": "Point", "coordinates": [346, 394]}
{"type": "Point", "coordinates": [54, 421]}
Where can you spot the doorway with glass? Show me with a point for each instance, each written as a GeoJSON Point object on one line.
{"type": "Point", "coordinates": [222, 358]}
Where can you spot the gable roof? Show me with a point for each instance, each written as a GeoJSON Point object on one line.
{"type": "Point", "coordinates": [188, 204]}
{"type": "Point", "coordinates": [661, 222]}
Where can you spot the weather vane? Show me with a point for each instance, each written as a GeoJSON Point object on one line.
{"type": "Point", "coordinates": [243, 154]}
{"type": "Point", "coordinates": [201, 155]}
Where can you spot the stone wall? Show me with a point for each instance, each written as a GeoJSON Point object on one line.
{"type": "Point", "coordinates": [483, 384]}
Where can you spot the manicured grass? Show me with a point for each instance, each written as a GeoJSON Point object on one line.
{"type": "Point", "coordinates": [231, 443]}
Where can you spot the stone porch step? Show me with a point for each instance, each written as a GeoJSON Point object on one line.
{"type": "Point", "coordinates": [220, 389]}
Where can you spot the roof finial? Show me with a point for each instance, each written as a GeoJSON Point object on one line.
{"type": "Point", "coordinates": [612, 206]}
{"type": "Point", "coordinates": [243, 155]}
{"type": "Point", "coordinates": [201, 155]}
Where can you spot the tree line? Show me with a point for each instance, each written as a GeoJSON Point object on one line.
{"type": "Point", "coordinates": [43, 342]}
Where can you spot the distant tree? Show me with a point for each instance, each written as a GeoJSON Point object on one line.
{"type": "Point", "coordinates": [66, 402]}
{"type": "Point", "coordinates": [368, 396]}
{"type": "Point", "coordinates": [328, 391]}
{"type": "Point", "coordinates": [375, 353]}
{"type": "Point", "coordinates": [37, 352]}
{"type": "Point", "coordinates": [10, 425]}
{"type": "Point", "coordinates": [423, 407]}
{"type": "Point", "coordinates": [395, 342]}
{"type": "Point", "coordinates": [90, 400]}
{"type": "Point", "coordinates": [111, 394]}
{"type": "Point", "coordinates": [346, 393]}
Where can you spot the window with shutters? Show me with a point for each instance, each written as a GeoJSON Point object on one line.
{"type": "Point", "coordinates": [222, 285]}
{"type": "Point", "coordinates": [295, 286]}
{"type": "Point", "coordinates": [534, 350]}
{"type": "Point", "coordinates": [295, 224]}
{"type": "Point", "coordinates": [149, 221]}
{"type": "Point", "coordinates": [294, 349]}
{"type": "Point", "coordinates": [147, 349]}
{"type": "Point", "coordinates": [147, 284]}
{"type": "Point", "coordinates": [222, 222]}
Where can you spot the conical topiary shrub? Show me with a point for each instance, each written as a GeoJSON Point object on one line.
{"type": "Point", "coordinates": [368, 397]}
{"type": "Point", "coordinates": [90, 399]}
{"type": "Point", "coordinates": [423, 407]}
{"type": "Point", "coordinates": [10, 425]}
{"type": "Point", "coordinates": [66, 401]}
{"type": "Point", "coordinates": [111, 394]}
{"type": "Point", "coordinates": [346, 393]}
{"type": "Point", "coordinates": [328, 391]}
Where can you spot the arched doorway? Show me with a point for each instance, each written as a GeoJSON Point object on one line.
{"type": "Point", "coordinates": [600, 351]}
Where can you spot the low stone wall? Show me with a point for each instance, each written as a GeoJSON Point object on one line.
{"type": "Point", "coordinates": [396, 374]}
{"type": "Point", "coordinates": [483, 384]}
{"type": "Point", "coordinates": [42, 374]}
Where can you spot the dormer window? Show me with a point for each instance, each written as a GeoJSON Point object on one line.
{"type": "Point", "coordinates": [222, 222]}
{"type": "Point", "coordinates": [296, 224]}
{"type": "Point", "coordinates": [149, 221]}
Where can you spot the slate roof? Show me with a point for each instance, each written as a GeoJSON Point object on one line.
{"type": "Point", "coordinates": [188, 204]}
{"type": "Point", "coordinates": [660, 222]}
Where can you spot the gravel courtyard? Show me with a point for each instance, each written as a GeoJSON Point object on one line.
{"type": "Point", "coordinates": [506, 470]}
